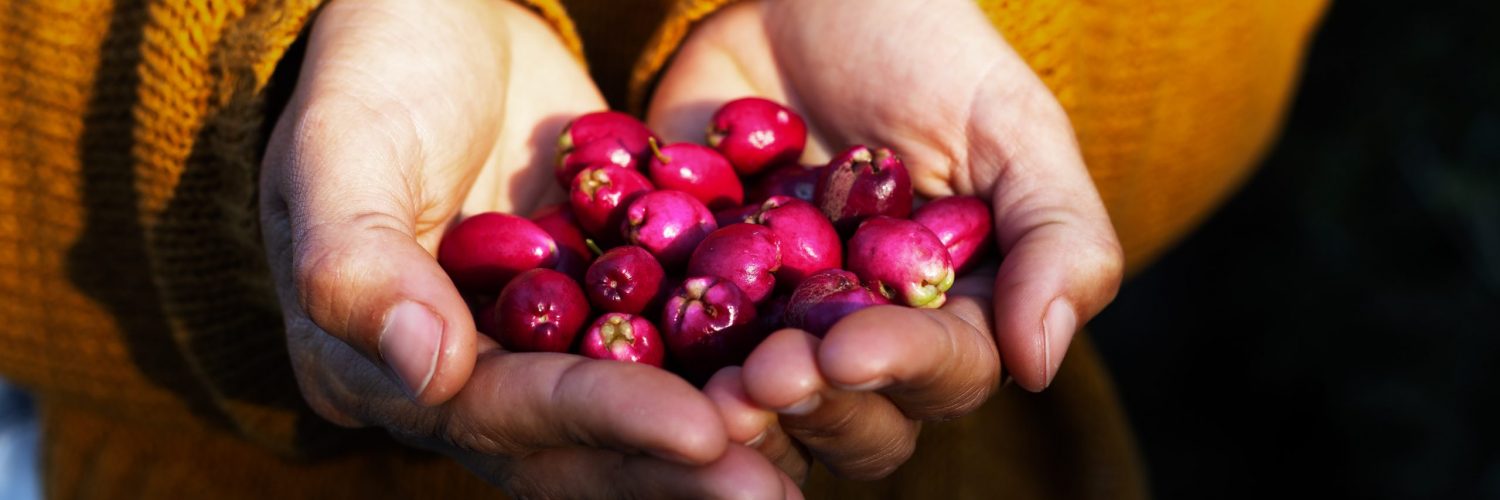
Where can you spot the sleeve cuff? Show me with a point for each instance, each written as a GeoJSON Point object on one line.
{"type": "Point", "coordinates": [680, 20]}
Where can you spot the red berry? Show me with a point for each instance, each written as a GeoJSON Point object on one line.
{"type": "Point", "coordinates": [604, 137]}
{"type": "Point", "coordinates": [600, 195]}
{"type": "Point", "coordinates": [573, 254]}
{"type": "Point", "coordinates": [623, 337]}
{"type": "Point", "coordinates": [625, 279]}
{"type": "Point", "coordinates": [747, 255]}
{"type": "Point", "coordinates": [825, 298]}
{"type": "Point", "coordinates": [963, 224]}
{"type": "Point", "coordinates": [862, 183]}
{"type": "Point", "coordinates": [708, 323]}
{"type": "Point", "coordinates": [484, 252]}
{"type": "Point", "coordinates": [755, 133]}
{"type": "Point", "coordinates": [669, 224]}
{"type": "Point", "coordinates": [808, 242]}
{"type": "Point", "coordinates": [902, 260]}
{"type": "Point", "coordinates": [698, 171]}
{"type": "Point", "coordinates": [541, 310]}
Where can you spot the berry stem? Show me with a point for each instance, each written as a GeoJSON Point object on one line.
{"type": "Point", "coordinates": [656, 151]}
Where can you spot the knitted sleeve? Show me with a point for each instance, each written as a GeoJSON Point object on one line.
{"type": "Point", "coordinates": [133, 275]}
{"type": "Point", "coordinates": [1173, 101]}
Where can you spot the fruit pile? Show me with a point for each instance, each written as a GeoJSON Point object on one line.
{"type": "Point", "coordinates": [661, 256]}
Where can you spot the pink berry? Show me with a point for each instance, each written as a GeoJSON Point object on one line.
{"type": "Point", "coordinates": [755, 133]}
{"type": "Point", "coordinates": [604, 137]}
{"type": "Point", "coordinates": [623, 337]}
{"type": "Point", "coordinates": [573, 254]}
{"type": "Point", "coordinates": [540, 311]}
{"type": "Point", "coordinates": [794, 180]}
{"type": "Point", "coordinates": [963, 224]}
{"type": "Point", "coordinates": [669, 224]}
{"type": "Point", "coordinates": [600, 195]}
{"type": "Point", "coordinates": [747, 255]}
{"type": "Point", "coordinates": [698, 171]}
{"type": "Point", "coordinates": [736, 215]}
{"type": "Point", "coordinates": [484, 252]}
{"type": "Point", "coordinates": [861, 183]}
{"type": "Point", "coordinates": [902, 260]}
{"type": "Point", "coordinates": [625, 279]}
{"type": "Point", "coordinates": [825, 298]}
{"type": "Point", "coordinates": [808, 242]}
{"type": "Point", "coordinates": [708, 323]}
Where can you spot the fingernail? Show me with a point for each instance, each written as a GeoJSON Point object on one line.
{"type": "Point", "coordinates": [757, 440]}
{"type": "Point", "coordinates": [409, 345]}
{"type": "Point", "coordinates": [803, 407]}
{"type": "Point", "coordinates": [1059, 321]}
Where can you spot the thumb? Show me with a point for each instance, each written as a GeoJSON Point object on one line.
{"type": "Point", "coordinates": [1063, 262]}
{"type": "Point", "coordinates": [340, 216]}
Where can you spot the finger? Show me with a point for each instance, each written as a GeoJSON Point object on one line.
{"type": "Point", "coordinates": [575, 473]}
{"type": "Point", "coordinates": [755, 427]}
{"type": "Point", "coordinates": [727, 58]}
{"type": "Point", "coordinates": [857, 434]}
{"type": "Point", "coordinates": [933, 364]}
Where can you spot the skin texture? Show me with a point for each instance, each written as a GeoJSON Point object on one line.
{"type": "Point", "coordinates": [600, 196]}
{"type": "Point", "coordinates": [747, 255]}
{"type": "Point", "coordinates": [968, 117]}
{"type": "Point", "coordinates": [604, 137]}
{"type": "Point", "coordinates": [669, 224]}
{"type": "Point", "coordinates": [808, 242]}
{"type": "Point", "coordinates": [754, 133]}
{"type": "Point", "coordinates": [698, 171]}
{"type": "Point", "coordinates": [901, 260]}
{"type": "Point", "coordinates": [405, 115]}
{"type": "Point", "coordinates": [623, 337]}
{"type": "Point", "coordinates": [540, 311]}
{"type": "Point", "coordinates": [573, 254]}
{"type": "Point", "coordinates": [486, 251]}
{"type": "Point", "coordinates": [625, 279]}
{"type": "Point", "coordinates": [964, 225]}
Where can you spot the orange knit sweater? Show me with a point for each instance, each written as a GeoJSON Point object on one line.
{"type": "Point", "coordinates": [138, 308]}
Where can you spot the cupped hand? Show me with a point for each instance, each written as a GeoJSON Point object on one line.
{"type": "Point", "coordinates": [405, 115]}
{"type": "Point", "coordinates": [935, 82]}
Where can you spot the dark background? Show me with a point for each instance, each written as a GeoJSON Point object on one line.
{"type": "Point", "coordinates": [1334, 330]}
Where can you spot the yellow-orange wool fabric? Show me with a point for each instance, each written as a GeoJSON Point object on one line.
{"type": "Point", "coordinates": [137, 305]}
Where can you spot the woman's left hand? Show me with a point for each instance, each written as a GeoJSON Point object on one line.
{"type": "Point", "coordinates": [935, 82]}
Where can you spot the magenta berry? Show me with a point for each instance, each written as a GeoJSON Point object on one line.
{"type": "Point", "coordinates": [540, 310]}
{"type": "Point", "coordinates": [825, 298]}
{"type": "Point", "coordinates": [484, 252]}
{"type": "Point", "coordinates": [862, 183]}
{"type": "Point", "coordinates": [625, 279]}
{"type": "Point", "coordinates": [754, 133]}
{"type": "Point", "coordinates": [737, 215]}
{"type": "Point", "coordinates": [698, 171]}
{"type": "Point", "coordinates": [902, 260]}
{"type": "Point", "coordinates": [573, 254]}
{"type": "Point", "coordinates": [963, 224]}
{"type": "Point", "coordinates": [623, 337]}
{"type": "Point", "coordinates": [669, 224]}
{"type": "Point", "coordinates": [604, 137]}
{"type": "Point", "coordinates": [600, 195]}
{"type": "Point", "coordinates": [794, 180]}
{"type": "Point", "coordinates": [708, 323]}
{"type": "Point", "coordinates": [747, 255]}
{"type": "Point", "coordinates": [808, 242]}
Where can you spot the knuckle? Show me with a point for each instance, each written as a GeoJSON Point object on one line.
{"type": "Point", "coordinates": [888, 456]}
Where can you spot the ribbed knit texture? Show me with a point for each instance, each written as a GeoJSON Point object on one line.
{"type": "Point", "coordinates": [137, 303]}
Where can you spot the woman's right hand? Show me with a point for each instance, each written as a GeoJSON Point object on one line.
{"type": "Point", "coordinates": [406, 114]}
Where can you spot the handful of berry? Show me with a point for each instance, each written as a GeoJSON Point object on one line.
{"type": "Point", "coordinates": [660, 257]}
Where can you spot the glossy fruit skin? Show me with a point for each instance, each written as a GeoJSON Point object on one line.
{"type": "Point", "coordinates": [484, 252]}
{"type": "Point", "coordinates": [625, 279]}
{"type": "Point", "coordinates": [902, 260]}
{"type": "Point", "coordinates": [600, 195]}
{"type": "Point", "coordinates": [605, 137]}
{"type": "Point", "coordinates": [794, 180]}
{"type": "Point", "coordinates": [964, 225]}
{"type": "Point", "coordinates": [540, 311]}
{"type": "Point", "coordinates": [736, 215]}
{"type": "Point", "coordinates": [698, 171]}
{"type": "Point", "coordinates": [623, 337]}
{"type": "Point", "coordinates": [573, 254]}
{"type": "Point", "coordinates": [669, 224]}
{"type": "Point", "coordinates": [754, 133]}
{"type": "Point", "coordinates": [861, 183]}
{"type": "Point", "coordinates": [708, 323]}
{"type": "Point", "coordinates": [747, 255]}
{"type": "Point", "coordinates": [808, 241]}
{"type": "Point", "coordinates": [827, 297]}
